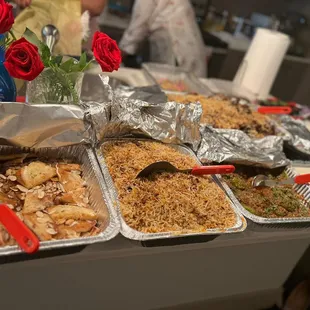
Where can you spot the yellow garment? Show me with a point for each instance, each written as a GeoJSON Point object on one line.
{"type": "Point", "coordinates": [63, 14]}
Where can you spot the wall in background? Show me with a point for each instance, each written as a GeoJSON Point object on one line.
{"type": "Point", "coordinates": [245, 7]}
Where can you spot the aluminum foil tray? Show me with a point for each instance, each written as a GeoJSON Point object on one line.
{"type": "Point", "coordinates": [133, 234]}
{"type": "Point", "coordinates": [281, 131]}
{"type": "Point", "coordinates": [228, 88]}
{"type": "Point", "coordinates": [155, 72]}
{"type": "Point", "coordinates": [303, 190]}
{"type": "Point", "coordinates": [98, 195]}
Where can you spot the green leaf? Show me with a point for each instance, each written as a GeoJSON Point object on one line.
{"type": "Point", "coordinates": [67, 65]}
{"type": "Point", "coordinates": [32, 38]}
{"type": "Point", "coordinates": [83, 60]}
{"type": "Point", "coordinates": [56, 60]}
{"type": "Point", "coordinates": [45, 54]}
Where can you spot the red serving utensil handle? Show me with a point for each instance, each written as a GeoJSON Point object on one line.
{"type": "Point", "coordinates": [26, 239]}
{"type": "Point", "coordinates": [203, 170]}
{"type": "Point", "coordinates": [302, 179]}
{"type": "Point", "coordinates": [274, 110]}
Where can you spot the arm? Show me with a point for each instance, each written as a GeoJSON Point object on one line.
{"type": "Point", "coordinates": [138, 28]}
{"type": "Point", "coordinates": [95, 7]}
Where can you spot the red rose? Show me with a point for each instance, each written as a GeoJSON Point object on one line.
{"type": "Point", "coordinates": [6, 16]}
{"type": "Point", "coordinates": [106, 52]}
{"type": "Point", "coordinates": [22, 60]}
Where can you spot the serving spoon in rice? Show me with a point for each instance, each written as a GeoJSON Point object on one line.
{"type": "Point", "coordinates": [161, 166]}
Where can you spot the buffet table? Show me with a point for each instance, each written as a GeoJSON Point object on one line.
{"type": "Point", "coordinates": [121, 274]}
{"type": "Point", "coordinates": [192, 272]}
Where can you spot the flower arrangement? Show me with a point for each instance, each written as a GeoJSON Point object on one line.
{"type": "Point", "coordinates": [28, 58]}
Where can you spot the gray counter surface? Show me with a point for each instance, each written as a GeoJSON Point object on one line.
{"type": "Point", "coordinates": [122, 274]}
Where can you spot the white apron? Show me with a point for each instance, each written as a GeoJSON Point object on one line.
{"type": "Point", "coordinates": [173, 34]}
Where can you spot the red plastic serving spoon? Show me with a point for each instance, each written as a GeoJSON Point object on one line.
{"type": "Point", "coordinates": [26, 239]}
{"type": "Point", "coordinates": [274, 110]}
{"type": "Point", "coordinates": [199, 170]}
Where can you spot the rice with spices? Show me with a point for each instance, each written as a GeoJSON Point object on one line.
{"type": "Point", "coordinates": [167, 201]}
{"type": "Point", "coordinates": [220, 112]}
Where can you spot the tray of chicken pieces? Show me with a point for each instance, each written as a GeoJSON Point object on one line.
{"type": "Point", "coordinates": [59, 194]}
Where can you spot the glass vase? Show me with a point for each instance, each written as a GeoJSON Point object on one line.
{"type": "Point", "coordinates": [55, 86]}
{"type": "Point", "coordinates": [7, 86]}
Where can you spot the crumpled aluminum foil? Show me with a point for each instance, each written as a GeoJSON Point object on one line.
{"type": "Point", "coordinates": [168, 122]}
{"type": "Point", "coordinates": [152, 94]}
{"type": "Point", "coordinates": [234, 146]}
{"type": "Point", "coordinates": [46, 125]}
{"type": "Point", "coordinates": [300, 134]}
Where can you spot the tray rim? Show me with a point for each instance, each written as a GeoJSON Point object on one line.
{"type": "Point", "coordinates": [133, 234]}
{"type": "Point", "coordinates": [111, 231]}
{"type": "Point", "coordinates": [149, 67]}
{"type": "Point", "coordinates": [269, 221]}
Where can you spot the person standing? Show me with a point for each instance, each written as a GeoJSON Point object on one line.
{"type": "Point", "coordinates": [94, 7]}
{"type": "Point", "coordinates": [173, 33]}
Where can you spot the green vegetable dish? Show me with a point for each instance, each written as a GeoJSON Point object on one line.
{"type": "Point", "coordinates": [267, 202]}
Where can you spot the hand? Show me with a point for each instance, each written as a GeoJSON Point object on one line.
{"type": "Point", "coordinates": [23, 3]}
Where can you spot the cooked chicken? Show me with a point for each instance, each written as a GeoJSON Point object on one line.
{"type": "Point", "coordinates": [43, 226]}
{"type": "Point", "coordinates": [71, 212]}
{"type": "Point", "coordinates": [77, 197]}
{"type": "Point", "coordinates": [70, 180]}
{"type": "Point", "coordinates": [36, 173]}
{"type": "Point", "coordinates": [34, 203]}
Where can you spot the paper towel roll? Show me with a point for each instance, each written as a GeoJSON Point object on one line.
{"type": "Point", "coordinates": [262, 62]}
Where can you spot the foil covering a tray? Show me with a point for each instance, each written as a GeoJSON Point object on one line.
{"type": "Point", "coordinates": [303, 190]}
{"type": "Point", "coordinates": [133, 234]}
{"type": "Point", "coordinates": [228, 88]}
{"type": "Point", "coordinates": [300, 135]}
{"type": "Point", "coordinates": [234, 146]}
{"type": "Point", "coordinates": [98, 194]}
{"type": "Point", "coordinates": [169, 122]}
{"type": "Point", "coordinates": [42, 125]}
{"type": "Point", "coordinates": [152, 94]}
{"type": "Point", "coordinates": [157, 72]}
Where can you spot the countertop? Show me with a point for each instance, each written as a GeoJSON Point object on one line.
{"type": "Point", "coordinates": [122, 274]}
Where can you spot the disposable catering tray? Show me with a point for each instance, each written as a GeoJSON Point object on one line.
{"type": "Point", "coordinates": [98, 195]}
{"type": "Point", "coordinates": [228, 88]}
{"type": "Point", "coordinates": [133, 234]}
{"type": "Point", "coordinates": [157, 72]}
{"type": "Point", "coordinates": [279, 130]}
{"type": "Point", "coordinates": [303, 190]}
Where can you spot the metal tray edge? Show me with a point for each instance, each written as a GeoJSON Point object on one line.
{"type": "Point", "coordinates": [272, 221]}
{"type": "Point", "coordinates": [199, 87]}
{"type": "Point", "coordinates": [132, 234]}
{"type": "Point", "coordinates": [112, 229]}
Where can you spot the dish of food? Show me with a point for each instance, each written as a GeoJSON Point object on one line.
{"type": "Point", "coordinates": [179, 86]}
{"type": "Point", "coordinates": [51, 198]}
{"type": "Point", "coordinates": [220, 112]}
{"type": "Point", "coordinates": [267, 202]}
{"type": "Point", "coordinates": [165, 202]}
